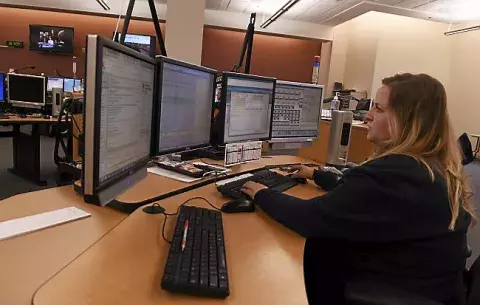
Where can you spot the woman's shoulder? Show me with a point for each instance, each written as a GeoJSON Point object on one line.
{"type": "Point", "coordinates": [399, 166]}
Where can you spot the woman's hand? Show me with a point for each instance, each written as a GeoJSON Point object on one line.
{"type": "Point", "coordinates": [251, 188]}
{"type": "Point", "coordinates": [302, 171]}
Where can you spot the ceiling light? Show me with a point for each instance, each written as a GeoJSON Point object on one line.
{"type": "Point", "coordinates": [104, 5]}
{"type": "Point", "coordinates": [279, 13]}
{"type": "Point", "coordinates": [464, 30]}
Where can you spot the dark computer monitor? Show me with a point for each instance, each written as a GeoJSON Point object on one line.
{"type": "Point", "coordinates": [2, 87]}
{"type": "Point", "coordinates": [54, 82]}
{"type": "Point", "coordinates": [118, 118]}
{"type": "Point", "coordinates": [243, 108]}
{"type": "Point", "coordinates": [48, 38]}
{"type": "Point", "coordinates": [144, 44]}
{"type": "Point", "coordinates": [297, 111]}
{"type": "Point", "coordinates": [19, 96]}
{"type": "Point", "coordinates": [186, 94]}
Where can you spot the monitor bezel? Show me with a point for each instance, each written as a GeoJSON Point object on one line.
{"type": "Point", "coordinates": [26, 104]}
{"type": "Point", "coordinates": [92, 103]}
{"type": "Point", "coordinates": [296, 138]}
{"type": "Point", "coordinates": [161, 60]}
{"type": "Point", "coordinates": [223, 104]}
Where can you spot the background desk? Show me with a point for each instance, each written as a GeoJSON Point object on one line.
{"type": "Point", "coordinates": [265, 260]}
{"type": "Point", "coordinates": [360, 149]}
{"type": "Point", "coordinates": [26, 147]}
{"type": "Point", "coordinates": [27, 261]}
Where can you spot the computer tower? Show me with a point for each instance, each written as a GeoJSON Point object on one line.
{"type": "Point", "coordinates": [57, 100]}
{"type": "Point", "coordinates": [339, 142]}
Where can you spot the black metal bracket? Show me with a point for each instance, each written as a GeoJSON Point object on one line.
{"type": "Point", "coordinates": [156, 24]}
{"type": "Point", "coordinates": [247, 46]}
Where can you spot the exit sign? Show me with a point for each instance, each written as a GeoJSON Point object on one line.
{"type": "Point", "coordinates": [15, 44]}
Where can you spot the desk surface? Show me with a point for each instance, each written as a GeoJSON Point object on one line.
{"type": "Point", "coordinates": [155, 185]}
{"type": "Point", "coordinates": [27, 120]}
{"type": "Point", "coordinates": [264, 259]}
{"type": "Point", "coordinates": [27, 261]}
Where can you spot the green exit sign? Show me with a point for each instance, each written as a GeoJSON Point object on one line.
{"type": "Point", "coordinates": [15, 44]}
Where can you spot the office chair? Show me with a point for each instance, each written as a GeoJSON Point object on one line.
{"type": "Point", "coordinates": [466, 148]}
{"type": "Point", "coordinates": [67, 171]}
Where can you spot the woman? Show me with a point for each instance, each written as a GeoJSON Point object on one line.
{"type": "Point", "coordinates": [396, 224]}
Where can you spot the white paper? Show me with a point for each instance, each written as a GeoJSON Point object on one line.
{"type": "Point", "coordinates": [28, 224]}
{"type": "Point", "coordinates": [170, 174]}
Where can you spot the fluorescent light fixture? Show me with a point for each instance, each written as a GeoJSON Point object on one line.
{"type": "Point", "coordinates": [464, 30]}
{"type": "Point", "coordinates": [104, 5]}
{"type": "Point", "coordinates": [279, 13]}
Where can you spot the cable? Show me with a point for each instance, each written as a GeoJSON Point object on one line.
{"type": "Point", "coordinates": [187, 201]}
{"type": "Point", "coordinates": [163, 229]}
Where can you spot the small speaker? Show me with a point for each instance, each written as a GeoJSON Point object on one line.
{"type": "Point", "coordinates": [57, 100]}
{"type": "Point", "coordinates": [339, 142]}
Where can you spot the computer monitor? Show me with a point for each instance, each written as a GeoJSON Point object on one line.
{"type": "Point", "coordinates": [70, 83]}
{"type": "Point", "coordinates": [54, 82]}
{"type": "Point", "coordinates": [144, 44]}
{"type": "Point", "coordinates": [186, 94]}
{"type": "Point", "coordinates": [27, 91]}
{"type": "Point", "coordinates": [297, 111]}
{"type": "Point", "coordinates": [118, 118]}
{"type": "Point", "coordinates": [2, 87]}
{"type": "Point", "coordinates": [243, 108]}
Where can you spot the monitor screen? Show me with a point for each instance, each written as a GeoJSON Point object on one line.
{"type": "Point", "coordinates": [297, 110]}
{"type": "Point", "coordinates": [248, 109]}
{"type": "Point", "coordinates": [69, 84]}
{"type": "Point", "coordinates": [144, 44]}
{"type": "Point", "coordinates": [126, 110]}
{"type": "Point", "coordinates": [35, 94]}
{"type": "Point", "coordinates": [2, 87]}
{"type": "Point", "coordinates": [186, 102]}
{"type": "Point", "coordinates": [51, 38]}
{"type": "Point", "coordinates": [54, 82]}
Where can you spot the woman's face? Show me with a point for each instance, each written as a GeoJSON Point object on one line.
{"type": "Point", "coordinates": [378, 118]}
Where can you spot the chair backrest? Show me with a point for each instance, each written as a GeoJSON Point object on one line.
{"type": "Point", "coordinates": [473, 283]}
{"type": "Point", "coordinates": [466, 147]}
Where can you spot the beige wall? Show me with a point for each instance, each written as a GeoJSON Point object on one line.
{"type": "Point", "coordinates": [377, 45]}
{"type": "Point", "coordinates": [464, 98]}
{"type": "Point", "coordinates": [184, 30]}
{"type": "Point", "coordinates": [325, 57]}
{"type": "Point", "coordinates": [338, 55]}
{"type": "Point", "coordinates": [411, 45]}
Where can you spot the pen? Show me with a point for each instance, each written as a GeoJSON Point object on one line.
{"type": "Point", "coordinates": [184, 238]}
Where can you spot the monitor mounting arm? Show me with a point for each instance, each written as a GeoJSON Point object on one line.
{"type": "Point", "coordinates": [156, 24]}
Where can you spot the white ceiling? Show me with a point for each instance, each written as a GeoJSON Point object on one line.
{"type": "Point", "coordinates": [319, 11]}
{"type": "Point", "coordinates": [234, 13]}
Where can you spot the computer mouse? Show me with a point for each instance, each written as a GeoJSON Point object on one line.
{"type": "Point", "coordinates": [242, 205]}
{"type": "Point", "coordinates": [299, 180]}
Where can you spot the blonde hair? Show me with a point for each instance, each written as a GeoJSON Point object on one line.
{"type": "Point", "coordinates": [421, 129]}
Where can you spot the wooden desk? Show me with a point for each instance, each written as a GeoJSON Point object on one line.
{"type": "Point", "coordinates": [27, 261]}
{"type": "Point", "coordinates": [156, 186]}
{"type": "Point", "coordinates": [26, 147]}
{"type": "Point", "coordinates": [264, 258]}
{"type": "Point", "coordinates": [360, 148]}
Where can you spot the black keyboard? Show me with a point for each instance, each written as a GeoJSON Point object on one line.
{"type": "Point", "coordinates": [231, 187]}
{"type": "Point", "coordinates": [198, 266]}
